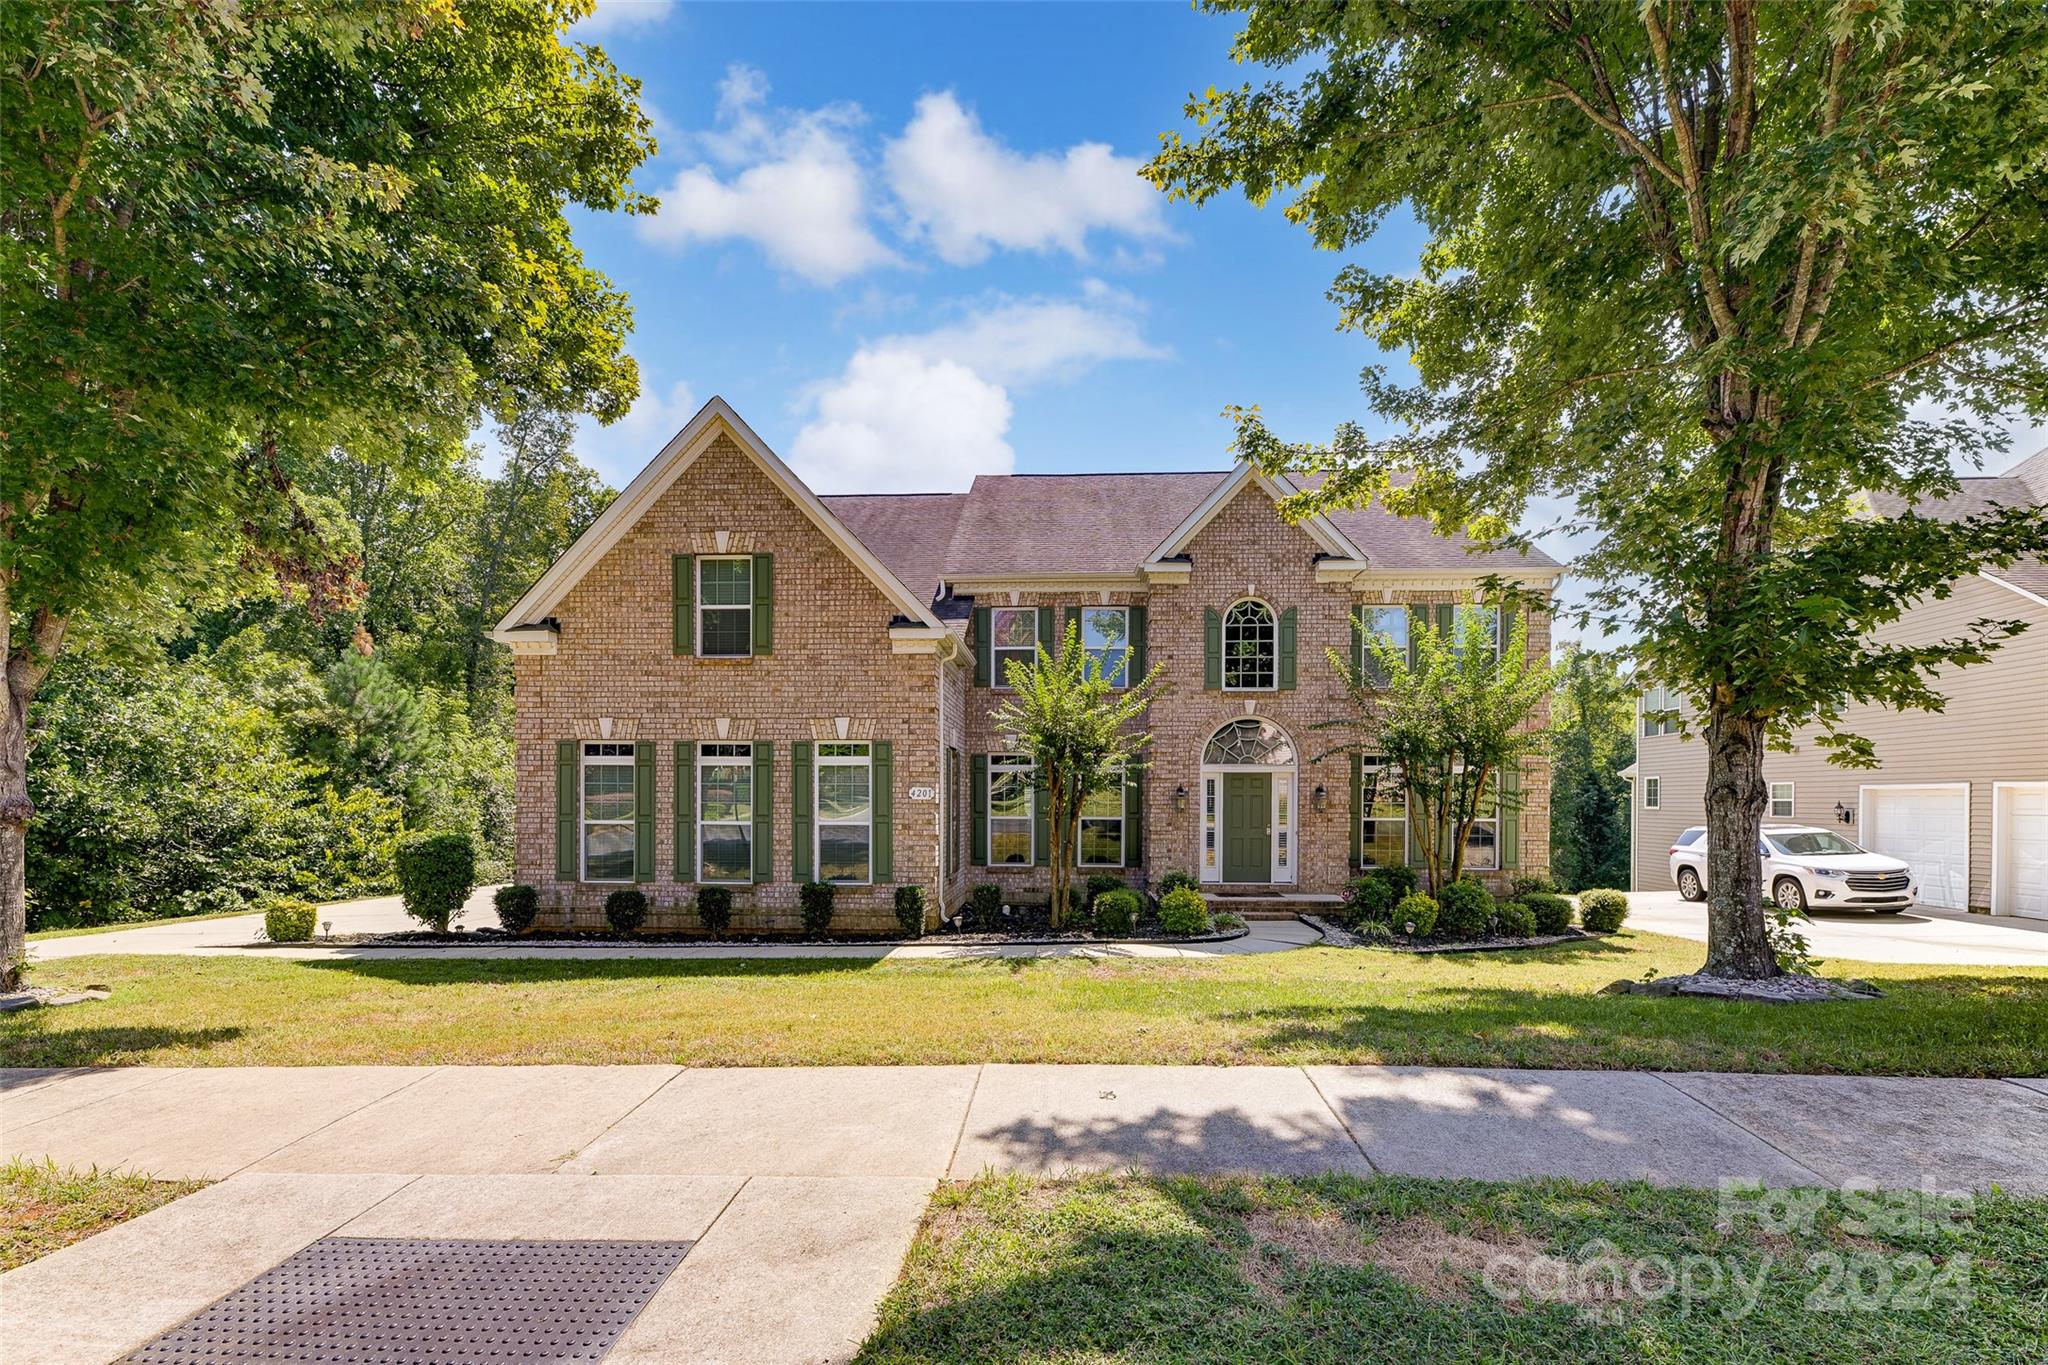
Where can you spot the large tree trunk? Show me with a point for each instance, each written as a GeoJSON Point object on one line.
{"type": "Point", "coordinates": [1736, 797]}
{"type": "Point", "coordinates": [15, 810]}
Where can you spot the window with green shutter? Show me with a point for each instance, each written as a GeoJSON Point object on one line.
{"type": "Point", "coordinates": [984, 648]}
{"type": "Point", "coordinates": [801, 825]}
{"type": "Point", "coordinates": [764, 604]}
{"type": "Point", "coordinates": [643, 812]}
{"type": "Point", "coordinates": [682, 805]}
{"type": "Point", "coordinates": [764, 811]}
{"type": "Point", "coordinates": [566, 841]}
{"type": "Point", "coordinates": [1288, 628]}
{"type": "Point", "coordinates": [683, 602]}
{"type": "Point", "coordinates": [1212, 650]}
{"type": "Point", "coordinates": [1134, 817]}
{"type": "Point", "coordinates": [885, 810]}
{"type": "Point", "coordinates": [977, 822]}
{"type": "Point", "coordinates": [1141, 654]}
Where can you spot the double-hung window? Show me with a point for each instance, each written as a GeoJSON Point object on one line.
{"type": "Point", "coordinates": [846, 812]}
{"type": "Point", "coordinates": [1101, 826]}
{"type": "Point", "coordinates": [1482, 842]}
{"type": "Point", "coordinates": [1653, 793]}
{"type": "Point", "coordinates": [1251, 647]}
{"type": "Point", "coordinates": [1659, 699]}
{"type": "Point", "coordinates": [1014, 633]}
{"type": "Point", "coordinates": [1488, 619]}
{"type": "Point", "coordinates": [608, 812]}
{"type": "Point", "coordinates": [725, 606]}
{"type": "Point", "coordinates": [725, 805]}
{"type": "Point", "coordinates": [1388, 624]}
{"type": "Point", "coordinates": [1106, 635]}
{"type": "Point", "coordinates": [1383, 814]}
{"type": "Point", "coordinates": [1010, 810]}
{"type": "Point", "coordinates": [1781, 800]}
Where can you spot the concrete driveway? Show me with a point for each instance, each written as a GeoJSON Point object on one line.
{"type": "Point", "coordinates": [1921, 934]}
{"type": "Point", "coordinates": [372, 915]}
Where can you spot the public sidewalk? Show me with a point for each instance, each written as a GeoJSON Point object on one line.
{"type": "Point", "coordinates": [802, 1187]}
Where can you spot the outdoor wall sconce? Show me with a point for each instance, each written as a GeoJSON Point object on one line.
{"type": "Point", "coordinates": [1180, 797]}
{"type": "Point", "coordinates": [1844, 814]}
{"type": "Point", "coordinates": [1321, 797]}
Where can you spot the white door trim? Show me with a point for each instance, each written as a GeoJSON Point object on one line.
{"type": "Point", "coordinates": [1999, 792]}
{"type": "Point", "coordinates": [1864, 790]}
{"type": "Point", "coordinates": [1285, 781]}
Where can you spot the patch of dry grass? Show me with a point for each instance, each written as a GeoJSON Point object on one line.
{"type": "Point", "coordinates": [44, 1207]}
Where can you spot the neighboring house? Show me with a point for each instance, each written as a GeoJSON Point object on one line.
{"type": "Point", "coordinates": [1961, 793]}
{"type": "Point", "coordinates": [728, 679]}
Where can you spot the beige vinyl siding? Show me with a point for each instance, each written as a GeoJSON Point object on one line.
{"type": "Point", "coordinates": [1993, 729]}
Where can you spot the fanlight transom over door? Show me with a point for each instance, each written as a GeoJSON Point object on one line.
{"type": "Point", "coordinates": [1248, 804]}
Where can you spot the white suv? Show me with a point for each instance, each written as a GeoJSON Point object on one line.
{"type": "Point", "coordinates": [1806, 869]}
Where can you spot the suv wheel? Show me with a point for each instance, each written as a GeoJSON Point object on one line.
{"type": "Point", "coordinates": [1789, 894]}
{"type": "Point", "coordinates": [1689, 887]}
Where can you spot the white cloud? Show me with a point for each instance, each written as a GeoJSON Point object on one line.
{"type": "Point", "coordinates": [797, 189]}
{"type": "Point", "coordinates": [968, 193]}
{"type": "Point", "coordinates": [929, 411]}
{"type": "Point", "coordinates": [620, 16]}
{"type": "Point", "coordinates": [623, 449]}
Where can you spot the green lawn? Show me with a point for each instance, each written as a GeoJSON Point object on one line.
{"type": "Point", "coordinates": [1313, 1005]}
{"type": "Point", "coordinates": [1344, 1270]}
{"type": "Point", "coordinates": [43, 1208]}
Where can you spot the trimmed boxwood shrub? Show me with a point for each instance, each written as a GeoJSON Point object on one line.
{"type": "Point", "coordinates": [910, 910]}
{"type": "Point", "coordinates": [1531, 884]}
{"type": "Point", "coordinates": [1177, 879]}
{"type": "Point", "coordinates": [814, 899]}
{"type": "Point", "coordinates": [1513, 919]}
{"type": "Point", "coordinates": [1183, 911]}
{"type": "Point", "coordinates": [625, 910]}
{"type": "Point", "coordinates": [1400, 876]}
{"type": "Point", "coordinates": [1116, 912]}
{"type": "Point", "coordinates": [984, 906]}
{"type": "Point", "coordinates": [1553, 913]}
{"type": "Point", "coordinates": [714, 909]}
{"type": "Point", "coordinates": [1464, 910]}
{"type": "Point", "coordinates": [1602, 911]}
{"type": "Point", "coordinates": [517, 906]}
{"type": "Point", "coordinates": [436, 873]}
{"type": "Point", "coordinates": [1415, 915]}
{"type": "Point", "coordinates": [1369, 900]}
{"type": "Point", "coordinates": [1101, 882]}
{"type": "Point", "coordinates": [287, 919]}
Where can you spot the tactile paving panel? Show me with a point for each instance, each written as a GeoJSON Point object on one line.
{"type": "Point", "coordinates": [429, 1302]}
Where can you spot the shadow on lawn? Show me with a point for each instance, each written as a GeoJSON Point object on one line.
{"type": "Point", "coordinates": [34, 1042]}
{"type": "Point", "coordinates": [420, 971]}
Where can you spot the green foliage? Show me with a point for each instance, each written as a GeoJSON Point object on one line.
{"type": "Point", "coordinates": [1082, 730]}
{"type": "Point", "coordinates": [1592, 739]}
{"type": "Point", "coordinates": [1553, 914]}
{"type": "Point", "coordinates": [984, 906]}
{"type": "Point", "coordinates": [288, 919]}
{"type": "Point", "coordinates": [1602, 911]}
{"type": "Point", "coordinates": [370, 732]}
{"type": "Point", "coordinates": [1372, 933]}
{"type": "Point", "coordinates": [625, 910]}
{"type": "Point", "coordinates": [1464, 910]}
{"type": "Point", "coordinates": [517, 906]}
{"type": "Point", "coordinates": [1400, 876]}
{"type": "Point", "coordinates": [1791, 948]}
{"type": "Point", "coordinates": [714, 909]}
{"type": "Point", "coordinates": [1099, 882]}
{"type": "Point", "coordinates": [814, 901]}
{"type": "Point", "coordinates": [1175, 878]}
{"type": "Point", "coordinates": [1183, 911]}
{"type": "Point", "coordinates": [1116, 912]}
{"type": "Point", "coordinates": [1415, 915]}
{"type": "Point", "coordinates": [436, 873]}
{"type": "Point", "coordinates": [1368, 899]}
{"type": "Point", "coordinates": [1513, 919]}
{"type": "Point", "coordinates": [910, 903]}
{"type": "Point", "coordinates": [1531, 884]}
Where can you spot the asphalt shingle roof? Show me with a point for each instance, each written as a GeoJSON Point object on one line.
{"type": "Point", "coordinates": [2024, 485]}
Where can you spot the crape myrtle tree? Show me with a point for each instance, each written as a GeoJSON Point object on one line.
{"type": "Point", "coordinates": [233, 238]}
{"type": "Point", "coordinates": [1705, 271]}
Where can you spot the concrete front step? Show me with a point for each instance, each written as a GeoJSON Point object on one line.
{"type": "Point", "coordinates": [1271, 904]}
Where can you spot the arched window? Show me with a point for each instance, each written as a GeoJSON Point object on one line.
{"type": "Point", "coordinates": [1251, 646]}
{"type": "Point", "coordinates": [1250, 741]}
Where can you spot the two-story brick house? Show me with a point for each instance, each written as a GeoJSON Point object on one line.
{"type": "Point", "coordinates": [729, 679]}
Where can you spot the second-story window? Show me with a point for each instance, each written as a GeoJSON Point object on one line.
{"type": "Point", "coordinates": [1251, 647]}
{"type": "Point", "coordinates": [1014, 632]}
{"type": "Point", "coordinates": [1106, 635]}
{"type": "Point", "coordinates": [1489, 626]}
{"type": "Point", "coordinates": [725, 606]}
{"type": "Point", "coordinates": [1382, 623]}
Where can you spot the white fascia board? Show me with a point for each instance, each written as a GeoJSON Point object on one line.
{"type": "Point", "coordinates": [1319, 528]}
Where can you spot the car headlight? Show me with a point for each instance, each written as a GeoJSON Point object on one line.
{"type": "Point", "coordinates": [1833, 874]}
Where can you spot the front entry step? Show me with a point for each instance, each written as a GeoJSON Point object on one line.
{"type": "Point", "coordinates": [1271, 904]}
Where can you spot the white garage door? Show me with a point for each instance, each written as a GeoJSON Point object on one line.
{"type": "Point", "coordinates": [1929, 828]}
{"type": "Point", "coordinates": [2020, 876]}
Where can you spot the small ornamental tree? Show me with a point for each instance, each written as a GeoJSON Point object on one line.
{"type": "Point", "coordinates": [1449, 725]}
{"type": "Point", "coordinates": [1080, 728]}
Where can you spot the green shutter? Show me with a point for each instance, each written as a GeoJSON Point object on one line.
{"type": "Point", "coordinates": [1358, 643]}
{"type": "Point", "coordinates": [684, 569]}
{"type": "Point", "coordinates": [883, 794]}
{"type": "Point", "coordinates": [800, 811]}
{"type": "Point", "coordinates": [764, 604]}
{"type": "Point", "coordinates": [1134, 816]}
{"type": "Point", "coordinates": [1140, 660]}
{"type": "Point", "coordinates": [1212, 649]}
{"type": "Point", "coordinates": [977, 805]}
{"type": "Point", "coordinates": [984, 648]}
{"type": "Point", "coordinates": [684, 806]}
{"type": "Point", "coordinates": [1511, 818]}
{"type": "Point", "coordinates": [1288, 631]}
{"type": "Point", "coordinates": [1041, 816]}
{"type": "Point", "coordinates": [1046, 639]}
{"type": "Point", "coordinates": [1072, 622]}
{"type": "Point", "coordinates": [1418, 621]}
{"type": "Point", "coordinates": [764, 810]}
{"type": "Point", "coordinates": [1357, 810]}
{"type": "Point", "coordinates": [1446, 622]}
{"type": "Point", "coordinates": [565, 810]}
{"type": "Point", "coordinates": [643, 812]}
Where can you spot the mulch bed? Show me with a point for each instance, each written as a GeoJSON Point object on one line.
{"type": "Point", "coordinates": [1024, 936]}
{"type": "Point", "coordinates": [1337, 936]}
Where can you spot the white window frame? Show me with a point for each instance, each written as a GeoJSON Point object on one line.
{"type": "Point", "coordinates": [1493, 820]}
{"type": "Point", "coordinates": [1459, 615]}
{"type": "Point", "coordinates": [1123, 851]}
{"type": "Point", "coordinates": [1006, 765]}
{"type": "Point", "coordinates": [703, 606]}
{"type": "Point", "coordinates": [1272, 639]}
{"type": "Point", "coordinates": [851, 754]}
{"type": "Point", "coordinates": [725, 756]}
{"type": "Point", "coordinates": [999, 673]}
{"type": "Point", "coordinates": [1653, 793]}
{"type": "Point", "coordinates": [607, 754]}
{"type": "Point", "coordinates": [1371, 617]}
{"type": "Point", "coordinates": [1365, 766]}
{"type": "Point", "coordinates": [1119, 673]}
{"type": "Point", "coordinates": [1785, 814]}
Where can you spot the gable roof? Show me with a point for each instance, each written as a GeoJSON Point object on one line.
{"type": "Point", "coordinates": [2024, 485]}
{"type": "Point", "coordinates": [716, 418]}
{"type": "Point", "coordinates": [1318, 528]}
{"type": "Point", "coordinates": [910, 531]}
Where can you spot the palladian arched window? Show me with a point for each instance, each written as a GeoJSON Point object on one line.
{"type": "Point", "coordinates": [1250, 741]}
{"type": "Point", "coordinates": [1251, 646]}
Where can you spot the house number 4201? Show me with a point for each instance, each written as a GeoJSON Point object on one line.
{"type": "Point", "coordinates": [924, 793]}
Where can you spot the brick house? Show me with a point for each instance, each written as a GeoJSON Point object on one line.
{"type": "Point", "coordinates": [729, 679]}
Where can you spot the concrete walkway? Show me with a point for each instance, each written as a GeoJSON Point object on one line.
{"type": "Point", "coordinates": [803, 1186]}
{"type": "Point", "coordinates": [1922, 934]}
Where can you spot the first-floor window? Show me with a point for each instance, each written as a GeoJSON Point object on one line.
{"type": "Point", "coordinates": [1013, 633]}
{"type": "Point", "coordinates": [1010, 809]}
{"type": "Point", "coordinates": [1781, 800]}
{"type": "Point", "coordinates": [725, 802]}
{"type": "Point", "coordinates": [846, 812]}
{"type": "Point", "coordinates": [1383, 813]}
{"type": "Point", "coordinates": [1482, 842]}
{"type": "Point", "coordinates": [1101, 830]}
{"type": "Point", "coordinates": [1653, 793]}
{"type": "Point", "coordinates": [608, 812]}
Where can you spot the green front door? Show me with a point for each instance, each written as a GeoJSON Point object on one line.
{"type": "Point", "coordinates": [1247, 827]}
